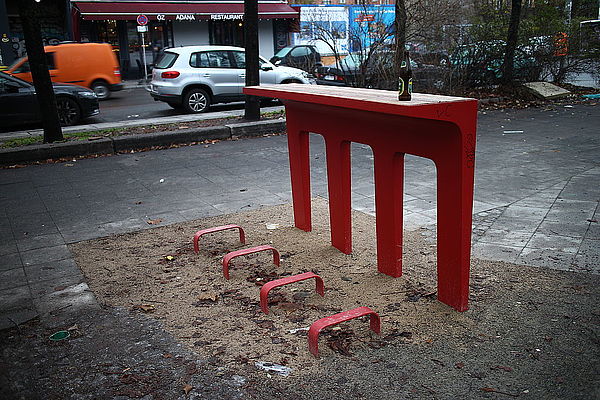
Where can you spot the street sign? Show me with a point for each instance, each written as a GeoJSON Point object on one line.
{"type": "Point", "coordinates": [142, 19]}
{"type": "Point", "coordinates": [142, 28]}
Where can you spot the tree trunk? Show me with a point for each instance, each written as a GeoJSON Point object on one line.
{"type": "Point", "coordinates": [252, 107]}
{"type": "Point", "coordinates": [511, 44]}
{"type": "Point", "coordinates": [400, 25]}
{"type": "Point", "coordinates": [29, 12]}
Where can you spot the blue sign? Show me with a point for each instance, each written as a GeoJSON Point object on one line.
{"type": "Point", "coordinates": [370, 25]}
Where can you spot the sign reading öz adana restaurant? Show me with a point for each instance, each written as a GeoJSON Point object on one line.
{"type": "Point", "coordinates": [192, 17]}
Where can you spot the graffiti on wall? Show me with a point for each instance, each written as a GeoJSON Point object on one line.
{"type": "Point", "coordinates": [52, 33]}
{"type": "Point", "coordinates": [18, 45]}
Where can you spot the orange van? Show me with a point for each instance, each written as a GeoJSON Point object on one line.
{"type": "Point", "coordinates": [93, 65]}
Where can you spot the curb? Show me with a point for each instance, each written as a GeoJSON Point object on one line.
{"type": "Point", "coordinates": [120, 144]}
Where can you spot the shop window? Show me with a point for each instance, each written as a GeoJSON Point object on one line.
{"type": "Point", "coordinates": [227, 33]}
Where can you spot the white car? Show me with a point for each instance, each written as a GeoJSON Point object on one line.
{"type": "Point", "coordinates": [194, 77]}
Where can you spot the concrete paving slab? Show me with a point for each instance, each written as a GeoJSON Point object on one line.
{"type": "Point", "coordinates": [51, 270]}
{"type": "Point", "coordinates": [15, 318]}
{"type": "Point", "coordinates": [7, 246]}
{"type": "Point", "coordinates": [588, 256]}
{"type": "Point", "coordinates": [15, 298]}
{"type": "Point", "coordinates": [57, 283]}
{"type": "Point", "coordinates": [506, 237]}
{"type": "Point", "coordinates": [593, 231]}
{"type": "Point", "coordinates": [575, 229]}
{"type": "Point", "coordinates": [541, 240]}
{"type": "Point", "coordinates": [13, 277]}
{"type": "Point", "coordinates": [74, 299]}
{"type": "Point", "coordinates": [555, 259]}
{"type": "Point", "coordinates": [491, 251]}
{"type": "Point", "coordinates": [45, 254]}
{"type": "Point", "coordinates": [546, 90]}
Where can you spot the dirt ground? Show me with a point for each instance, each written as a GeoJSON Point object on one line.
{"type": "Point", "coordinates": [529, 332]}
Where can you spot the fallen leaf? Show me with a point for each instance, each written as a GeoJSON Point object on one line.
{"type": "Point", "coordinates": [187, 388]}
{"type": "Point", "coordinates": [459, 365]}
{"type": "Point", "coordinates": [167, 355]}
{"type": "Point", "coordinates": [169, 258]}
{"type": "Point", "coordinates": [503, 368]}
{"type": "Point", "coordinates": [208, 296]}
{"type": "Point", "coordinates": [154, 221]}
{"type": "Point", "coordinates": [147, 308]}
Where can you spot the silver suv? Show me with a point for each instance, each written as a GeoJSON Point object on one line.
{"type": "Point", "coordinates": [194, 77]}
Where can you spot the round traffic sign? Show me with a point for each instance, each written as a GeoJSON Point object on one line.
{"type": "Point", "coordinates": [142, 19]}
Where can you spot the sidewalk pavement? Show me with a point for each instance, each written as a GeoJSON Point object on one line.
{"type": "Point", "coordinates": [536, 200]}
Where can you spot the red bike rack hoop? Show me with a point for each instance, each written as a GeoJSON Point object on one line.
{"type": "Point", "coordinates": [266, 288]}
{"type": "Point", "coordinates": [318, 326]}
{"type": "Point", "coordinates": [217, 229]}
{"type": "Point", "coordinates": [243, 252]}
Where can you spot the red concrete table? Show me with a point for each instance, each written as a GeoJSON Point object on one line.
{"type": "Point", "coordinates": [439, 128]}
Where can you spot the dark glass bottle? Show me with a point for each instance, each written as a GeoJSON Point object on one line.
{"type": "Point", "coordinates": [405, 79]}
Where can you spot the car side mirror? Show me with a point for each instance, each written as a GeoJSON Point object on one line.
{"type": "Point", "coordinates": [266, 68]}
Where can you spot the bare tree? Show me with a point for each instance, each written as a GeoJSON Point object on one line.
{"type": "Point", "coordinates": [29, 12]}
{"type": "Point", "coordinates": [252, 106]}
{"type": "Point", "coordinates": [400, 27]}
{"type": "Point", "coordinates": [511, 43]}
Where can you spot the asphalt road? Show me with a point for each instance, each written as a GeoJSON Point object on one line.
{"type": "Point", "coordinates": [136, 103]}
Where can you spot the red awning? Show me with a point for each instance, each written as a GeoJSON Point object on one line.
{"type": "Point", "coordinates": [184, 11]}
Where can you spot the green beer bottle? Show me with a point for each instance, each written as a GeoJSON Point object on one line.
{"type": "Point", "coordinates": [405, 79]}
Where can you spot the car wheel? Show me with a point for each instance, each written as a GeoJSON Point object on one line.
{"type": "Point", "coordinates": [196, 101]}
{"type": "Point", "coordinates": [68, 111]}
{"type": "Point", "coordinates": [101, 89]}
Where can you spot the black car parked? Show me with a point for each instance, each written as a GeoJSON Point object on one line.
{"type": "Point", "coordinates": [375, 71]}
{"type": "Point", "coordinates": [19, 105]}
{"type": "Point", "coordinates": [304, 57]}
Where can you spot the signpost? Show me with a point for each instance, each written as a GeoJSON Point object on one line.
{"type": "Point", "coordinates": [142, 20]}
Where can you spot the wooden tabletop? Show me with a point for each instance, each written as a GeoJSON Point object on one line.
{"type": "Point", "coordinates": [383, 101]}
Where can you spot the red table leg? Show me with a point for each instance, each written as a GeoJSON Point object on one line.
{"type": "Point", "coordinates": [455, 204]}
{"type": "Point", "coordinates": [389, 194]}
{"type": "Point", "coordinates": [340, 198]}
{"type": "Point", "coordinates": [298, 148]}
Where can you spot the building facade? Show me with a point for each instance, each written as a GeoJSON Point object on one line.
{"type": "Point", "coordinates": [169, 23]}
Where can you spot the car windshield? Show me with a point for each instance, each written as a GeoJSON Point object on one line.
{"type": "Point", "coordinates": [166, 60]}
{"type": "Point", "coordinates": [283, 52]}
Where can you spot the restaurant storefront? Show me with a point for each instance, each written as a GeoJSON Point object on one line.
{"type": "Point", "coordinates": [176, 23]}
